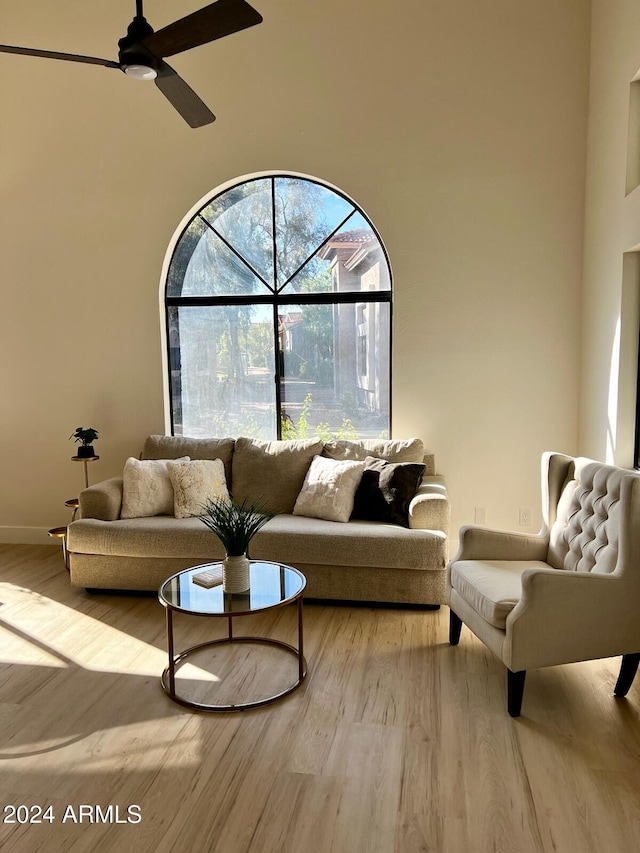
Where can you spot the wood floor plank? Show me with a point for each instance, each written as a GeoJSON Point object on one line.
{"type": "Point", "coordinates": [396, 742]}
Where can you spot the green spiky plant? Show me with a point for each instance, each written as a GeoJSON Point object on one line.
{"type": "Point", "coordinates": [234, 524]}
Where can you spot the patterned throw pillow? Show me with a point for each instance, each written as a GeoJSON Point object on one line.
{"type": "Point", "coordinates": [386, 490]}
{"type": "Point", "coordinates": [146, 488]}
{"type": "Point", "coordinates": [328, 489]}
{"type": "Point", "coordinates": [195, 481]}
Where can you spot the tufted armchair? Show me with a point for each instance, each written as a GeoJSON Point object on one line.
{"type": "Point", "coordinates": [569, 593]}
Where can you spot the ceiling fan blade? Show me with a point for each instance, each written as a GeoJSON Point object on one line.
{"type": "Point", "coordinates": [213, 22]}
{"type": "Point", "coordinates": [53, 54]}
{"type": "Point", "coordinates": [181, 96]}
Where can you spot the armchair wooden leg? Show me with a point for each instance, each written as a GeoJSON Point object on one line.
{"type": "Point", "coordinates": [627, 674]}
{"type": "Point", "coordinates": [455, 626]}
{"type": "Point", "coordinates": [515, 690]}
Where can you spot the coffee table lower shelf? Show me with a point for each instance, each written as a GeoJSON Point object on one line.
{"type": "Point", "coordinates": [168, 676]}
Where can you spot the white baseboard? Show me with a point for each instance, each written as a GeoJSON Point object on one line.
{"type": "Point", "coordinates": [26, 536]}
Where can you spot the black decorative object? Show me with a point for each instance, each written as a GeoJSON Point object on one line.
{"type": "Point", "coordinates": [386, 490]}
{"type": "Point", "coordinates": [85, 436]}
{"type": "Point", "coordinates": [141, 52]}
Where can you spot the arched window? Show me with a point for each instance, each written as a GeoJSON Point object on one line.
{"type": "Point", "coordinates": [278, 315]}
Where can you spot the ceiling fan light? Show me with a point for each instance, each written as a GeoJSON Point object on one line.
{"type": "Point", "coordinates": [140, 72]}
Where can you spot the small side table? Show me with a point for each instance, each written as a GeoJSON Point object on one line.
{"type": "Point", "coordinates": [73, 504]}
{"type": "Point", "coordinates": [61, 534]}
{"type": "Point", "coordinates": [85, 459]}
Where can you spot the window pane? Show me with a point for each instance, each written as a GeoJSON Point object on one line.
{"type": "Point", "coordinates": [352, 260]}
{"type": "Point", "coordinates": [306, 214]}
{"type": "Point", "coordinates": [202, 265]}
{"type": "Point", "coordinates": [335, 370]}
{"type": "Point", "coordinates": [185, 247]}
{"type": "Point", "coordinates": [243, 215]}
{"type": "Point", "coordinates": [222, 367]}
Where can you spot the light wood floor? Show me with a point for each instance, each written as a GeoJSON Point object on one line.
{"type": "Point", "coordinates": [396, 743]}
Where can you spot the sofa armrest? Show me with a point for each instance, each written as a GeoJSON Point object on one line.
{"type": "Point", "coordinates": [103, 501]}
{"type": "Point", "coordinates": [430, 509]}
{"type": "Point", "coordinates": [483, 543]}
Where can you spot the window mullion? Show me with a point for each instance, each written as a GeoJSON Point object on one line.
{"type": "Point", "coordinates": [237, 253]}
{"type": "Point", "coordinates": [273, 235]}
{"type": "Point", "coordinates": [329, 298]}
{"type": "Point", "coordinates": [276, 316]}
{"type": "Point", "coordinates": [278, 370]}
{"type": "Point", "coordinates": [317, 248]}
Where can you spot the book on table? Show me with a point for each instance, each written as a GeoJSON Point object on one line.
{"type": "Point", "coordinates": [209, 578]}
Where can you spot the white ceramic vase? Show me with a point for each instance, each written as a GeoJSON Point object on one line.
{"type": "Point", "coordinates": [235, 574]}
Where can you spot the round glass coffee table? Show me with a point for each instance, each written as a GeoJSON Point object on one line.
{"type": "Point", "coordinates": [271, 585]}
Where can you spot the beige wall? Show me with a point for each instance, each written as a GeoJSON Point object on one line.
{"type": "Point", "coordinates": [612, 238]}
{"type": "Point", "coordinates": [459, 127]}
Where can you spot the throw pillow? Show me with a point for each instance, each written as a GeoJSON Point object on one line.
{"type": "Point", "coordinates": [146, 488]}
{"type": "Point", "coordinates": [329, 489]}
{"type": "Point", "coordinates": [386, 490]}
{"type": "Point", "coordinates": [195, 481]}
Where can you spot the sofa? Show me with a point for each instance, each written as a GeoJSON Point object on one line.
{"type": "Point", "coordinates": [117, 545]}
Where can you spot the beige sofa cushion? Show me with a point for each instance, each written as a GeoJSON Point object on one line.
{"type": "Point", "coordinates": [393, 450]}
{"type": "Point", "coordinates": [271, 471]}
{"type": "Point", "coordinates": [159, 536]}
{"type": "Point", "coordinates": [290, 539]}
{"type": "Point", "coordinates": [297, 540]}
{"type": "Point", "coordinates": [175, 446]}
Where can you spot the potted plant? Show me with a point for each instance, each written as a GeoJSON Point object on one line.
{"type": "Point", "coordinates": [235, 525]}
{"type": "Point", "coordinates": [85, 436]}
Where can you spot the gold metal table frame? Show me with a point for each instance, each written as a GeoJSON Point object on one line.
{"type": "Point", "coordinates": [217, 603]}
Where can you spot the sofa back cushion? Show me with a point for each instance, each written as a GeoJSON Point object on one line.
{"type": "Point", "coordinates": [175, 446]}
{"type": "Point", "coordinates": [271, 471]}
{"type": "Point", "coordinates": [393, 450]}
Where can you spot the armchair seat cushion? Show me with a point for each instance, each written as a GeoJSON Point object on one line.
{"type": "Point", "coordinates": [491, 587]}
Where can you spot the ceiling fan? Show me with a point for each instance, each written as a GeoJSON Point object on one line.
{"type": "Point", "coordinates": [141, 52]}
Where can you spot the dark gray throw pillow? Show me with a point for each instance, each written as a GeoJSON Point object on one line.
{"type": "Point", "coordinates": [386, 490]}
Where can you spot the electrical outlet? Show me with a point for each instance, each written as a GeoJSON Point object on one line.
{"type": "Point", "coordinates": [480, 515]}
{"type": "Point", "coordinates": [525, 517]}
